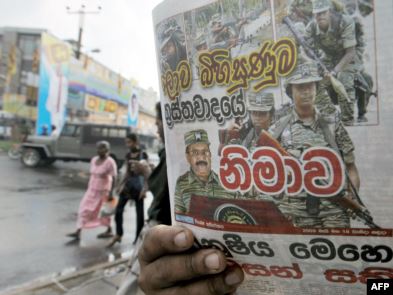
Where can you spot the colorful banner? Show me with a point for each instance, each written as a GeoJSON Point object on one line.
{"type": "Point", "coordinates": [133, 108]}
{"type": "Point", "coordinates": [269, 108]}
{"type": "Point", "coordinates": [98, 105]}
{"type": "Point", "coordinates": [16, 104]}
{"type": "Point", "coordinates": [53, 83]}
{"type": "Point", "coordinates": [90, 77]}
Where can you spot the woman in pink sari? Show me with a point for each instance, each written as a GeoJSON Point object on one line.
{"type": "Point", "coordinates": [103, 172]}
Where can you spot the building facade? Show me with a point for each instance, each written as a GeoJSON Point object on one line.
{"type": "Point", "coordinates": [93, 92]}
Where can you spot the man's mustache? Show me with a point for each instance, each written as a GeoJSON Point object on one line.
{"type": "Point", "coordinates": [201, 163]}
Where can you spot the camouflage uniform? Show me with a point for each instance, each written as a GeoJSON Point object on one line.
{"type": "Point", "coordinates": [339, 36]}
{"type": "Point", "coordinates": [296, 136]}
{"type": "Point", "coordinates": [220, 39]}
{"type": "Point", "coordinates": [171, 32]}
{"type": "Point", "coordinates": [303, 9]}
{"type": "Point", "coordinates": [363, 90]}
{"type": "Point", "coordinates": [262, 102]}
{"type": "Point", "coordinates": [189, 184]}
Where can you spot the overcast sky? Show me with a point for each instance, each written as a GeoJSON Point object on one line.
{"type": "Point", "coordinates": [123, 30]}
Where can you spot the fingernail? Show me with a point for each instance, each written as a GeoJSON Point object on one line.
{"type": "Point", "coordinates": [181, 240]}
{"type": "Point", "coordinates": [212, 261]}
{"type": "Point", "coordinates": [232, 278]}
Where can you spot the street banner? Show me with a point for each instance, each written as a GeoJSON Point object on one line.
{"type": "Point", "coordinates": [92, 78]}
{"type": "Point", "coordinates": [16, 104]}
{"type": "Point", "coordinates": [133, 108]}
{"type": "Point", "coordinates": [53, 84]}
{"type": "Point", "coordinates": [277, 137]}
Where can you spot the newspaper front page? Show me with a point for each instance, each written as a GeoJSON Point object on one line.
{"type": "Point", "coordinates": [277, 118]}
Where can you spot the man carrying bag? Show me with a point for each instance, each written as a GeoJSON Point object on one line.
{"type": "Point", "coordinates": [131, 188]}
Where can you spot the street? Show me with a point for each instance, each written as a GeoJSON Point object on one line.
{"type": "Point", "coordinates": [39, 206]}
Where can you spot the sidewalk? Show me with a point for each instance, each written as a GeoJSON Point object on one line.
{"type": "Point", "coordinates": [102, 279]}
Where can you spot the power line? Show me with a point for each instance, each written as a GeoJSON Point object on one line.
{"type": "Point", "coordinates": [82, 11]}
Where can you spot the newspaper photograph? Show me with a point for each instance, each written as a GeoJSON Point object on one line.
{"type": "Point", "coordinates": [276, 138]}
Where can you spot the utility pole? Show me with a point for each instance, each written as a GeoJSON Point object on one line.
{"type": "Point", "coordinates": [82, 11]}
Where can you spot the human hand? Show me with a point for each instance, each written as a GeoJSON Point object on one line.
{"type": "Point", "coordinates": [168, 267]}
{"type": "Point", "coordinates": [142, 194]}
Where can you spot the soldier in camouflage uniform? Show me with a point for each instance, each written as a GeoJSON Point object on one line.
{"type": "Point", "coordinates": [301, 10]}
{"type": "Point", "coordinates": [363, 89]}
{"type": "Point", "coordinates": [334, 34]}
{"type": "Point", "coordinates": [200, 180]}
{"type": "Point", "coordinates": [221, 35]}
{"type": "Point", "coordinates": [261, 111]}
{"type": "Point", "coordinates": [260, 108]}
{"type": "Point", "coordinates": [304, 128]}
{"type": "Point", "coordinates": [173, 48]}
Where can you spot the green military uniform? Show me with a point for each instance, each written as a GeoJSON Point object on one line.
{"type": "Point", "coordinates": [189, 184]}
{"type": "Point", "coordinates": [171, 33]}
{"type": "Point", "coordinates": [334, 42]}
{"type": "Point", "coordinates": [296, 136]}
{"type": "Point", "coordinates": [364, 91]}
{"type": "Point", "coordinates": [303, 9]}
{"type": "Point", "coordinates": [261, 102]}
{"type": "Point", "coordinates": [220, 39]}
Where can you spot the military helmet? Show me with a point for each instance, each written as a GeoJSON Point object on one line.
{"type": "Point", "coordinates": [196, 136]}
{"type": "Point", "coordinates": [320, 5]}
{"type": "Point", "coordinates": [305, 72]}
{"type": "Point", "coordinates": [262, 102]}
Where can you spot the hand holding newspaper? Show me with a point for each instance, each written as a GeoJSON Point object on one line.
{"type": "Point", "coordinates": [266, 159]}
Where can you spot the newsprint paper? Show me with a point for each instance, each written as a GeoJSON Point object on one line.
{"type": "Point", "coordinates": [278, 121]}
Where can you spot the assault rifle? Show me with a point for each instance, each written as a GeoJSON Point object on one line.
{"type": "Point", "coordinates": [358, 208]}
{"type": "Point", "coordinates": [226, 136]}
{"type": "Point", "coordinates": [337, 85]}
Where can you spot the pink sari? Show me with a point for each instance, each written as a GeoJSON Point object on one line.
{"type": "Point", "coordinates": [100, 183]}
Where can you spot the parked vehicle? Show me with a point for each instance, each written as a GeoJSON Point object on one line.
{"type": "Point", "coordinates": [76, 142]}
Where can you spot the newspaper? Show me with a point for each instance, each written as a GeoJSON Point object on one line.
{"type": "Point", "coordinates": [277, 119]}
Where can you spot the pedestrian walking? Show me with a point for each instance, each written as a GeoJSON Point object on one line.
{"type": "Point", "coordinates": [131, 188]}
{"type": "Point", "coordinates": [103, 172]}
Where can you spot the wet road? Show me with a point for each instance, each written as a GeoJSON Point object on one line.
{"type": "Point", "coordinates": [38, 207]}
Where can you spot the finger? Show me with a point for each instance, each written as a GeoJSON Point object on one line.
{"type": "Point", "coordinates": [224, 283]}
{"type": "Point", "coordinates": [168, 270]}
{"type": "Point", "coordinates": [163, 239]}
